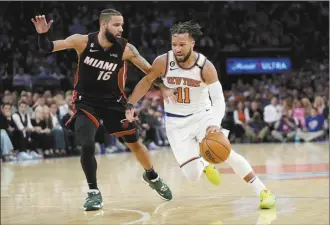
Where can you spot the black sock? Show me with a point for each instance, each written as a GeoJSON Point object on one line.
{"type": "Point", "coordinates": [151, 174]}
{"type": "Point", "coordinates": [89, 165]}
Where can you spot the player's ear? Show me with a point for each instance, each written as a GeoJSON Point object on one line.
{"type": "Point", "coordinates": [193, 43]}
{"type": "Point", "coordinates": [103, 23]}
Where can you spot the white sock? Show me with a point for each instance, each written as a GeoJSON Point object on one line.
{"type": "Point", "coordinates": [257, 185]}
{"type": "Point", "coordinates": [93, 190]}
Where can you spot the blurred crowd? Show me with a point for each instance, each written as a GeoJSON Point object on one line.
{"type": "Point", "coordinates": [36, 88]}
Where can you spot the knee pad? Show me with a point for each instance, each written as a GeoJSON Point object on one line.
{"type": "Point", "coordinates": [193, 170]}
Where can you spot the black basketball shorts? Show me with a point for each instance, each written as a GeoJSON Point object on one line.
{"type": "Point", "coordinates": [113, 120]}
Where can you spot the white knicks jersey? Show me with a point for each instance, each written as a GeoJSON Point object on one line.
{"type": "Point", "coordinates": [193, 94]}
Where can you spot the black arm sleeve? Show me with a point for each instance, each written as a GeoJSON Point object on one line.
{"type": "Point", "coordinates": [44, 43]}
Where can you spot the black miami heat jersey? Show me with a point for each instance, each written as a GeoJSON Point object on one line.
{"type": "Point", "coordinates": [101, 74]}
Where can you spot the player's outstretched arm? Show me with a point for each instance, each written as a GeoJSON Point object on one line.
{"type": "Point", "coordinates": [210, 75]}
{"type": "Point", "coordinates": [132, 54]}
{"type": "Point", "coordinates": [145, 83]}
{"type": "Point", "coordinates": [75, 41]}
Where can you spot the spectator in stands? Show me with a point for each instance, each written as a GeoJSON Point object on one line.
{"type": "Point", "coordinates": [298, 114]}
{"type": "Point", "coordinates": [24, 98]}
{"type": "Point", "coordinates": [272, 113]}
{"type": "Point", "coordinates": [64, 108]}
{"type": "Point", "coordinates": [57, 130]}
{"type": "Point", "coordinates": [314, 126]}
{"type": "Point", "coordinates": [307, 106]}
{"type": "Point", "coordinates": [41, 101]}
{"type": "Point", "coordinates": [256, 129]}
{"type": "Point", "coordinates": [284, 129]}
{"type": "Point", "coordinates": [255, 107]}
{"type": "Point", "coordinates": [319, 104]}
{"type": "Point", "coordinates": [241, 118]}
{"type": "Point", "coordinates": [48, 125]}
{"type": "Point", "coordinates": [160, 131]}
{"type": "Point", "coordinates": [147, 123]}
{"type": "Point", "coordinates": [7, 153]}
{"type": "Point", "coordinates": [287, 107]}
{"type": "Point", "coordinates": [8, 98]}
{"type": "Point", "coordinates": [23, 134]}
{"type": "Point", "coordinates": [70, 138]}
{"type": "Point", "coordinates": [45, 137]}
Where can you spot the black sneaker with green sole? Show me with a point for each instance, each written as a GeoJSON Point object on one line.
{"type": "Point", "coordinates": [93, 201]}
{"type": "Point", "coordinates": [159, 186]}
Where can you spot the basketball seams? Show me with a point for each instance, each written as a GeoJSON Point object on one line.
{"type": "Point", "coordinates": [219, 143]}
{"type": "Point", "coordinates": [213, 151]}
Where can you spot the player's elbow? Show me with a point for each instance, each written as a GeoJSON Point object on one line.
{"type": "Point", "coordinates": [148, 81]}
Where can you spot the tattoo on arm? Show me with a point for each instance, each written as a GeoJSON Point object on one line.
{"type": "Point", "coordinates": [139, 61]}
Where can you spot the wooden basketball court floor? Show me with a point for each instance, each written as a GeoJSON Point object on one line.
{"type": "Point", "coordinates": [53, 191]}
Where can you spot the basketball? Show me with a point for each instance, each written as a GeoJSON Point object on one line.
{"type": "Point", "coordinates": [215, 148]}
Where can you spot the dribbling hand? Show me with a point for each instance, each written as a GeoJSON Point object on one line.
{"type": "Point", "coordinates": [130, 113]}
{"type": "Point", "coordinates": [40, 24]}
{"type": "Point", "coordinates": [213, 129]}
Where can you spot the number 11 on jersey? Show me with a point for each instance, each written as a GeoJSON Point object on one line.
{"type": "Point", "coordinates": [183, 95]}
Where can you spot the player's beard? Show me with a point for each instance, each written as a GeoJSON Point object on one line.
{"type": "Point", "coordinates": [110, 37]}
{"type": "Point", "coordinates": [185, 58]}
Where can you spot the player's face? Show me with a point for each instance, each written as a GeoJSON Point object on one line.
{"type": "Point", "coordinates": [114, 28]}
{"type": "Point", "coordinates": [182, 46]}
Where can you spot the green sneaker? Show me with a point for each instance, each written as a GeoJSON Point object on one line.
{"type": "Point", "coordinates": [93, 201]}
{"type": "Point", "coordinates": [159, 186]}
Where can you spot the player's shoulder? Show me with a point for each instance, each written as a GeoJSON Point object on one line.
{"type": "Point", "coordinates": [160, 60]}
{"type": "Point", "coordinates": [161, 57]}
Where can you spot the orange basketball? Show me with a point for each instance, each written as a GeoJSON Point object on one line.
{"type": "Point", "coordinates": [215, 148]}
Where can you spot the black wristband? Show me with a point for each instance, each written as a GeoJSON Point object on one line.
{"type": "Point", "coordinates": [129, 106]}
{"type": "Point", "coordinates": [44, 43]}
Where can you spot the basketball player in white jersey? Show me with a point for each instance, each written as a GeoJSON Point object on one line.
{"type": "Point", "coordinates": [193, 115]}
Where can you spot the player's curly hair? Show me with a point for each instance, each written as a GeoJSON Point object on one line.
{"type": "Point", "coordinates": [107, 13]}
{"type": "Point", "coordinates": [190, 27]}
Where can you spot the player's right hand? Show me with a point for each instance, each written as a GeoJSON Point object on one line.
{"type": "Point", "coordinates": [40, 24]}
{"type": "Point", "coordinates": [130, 113]}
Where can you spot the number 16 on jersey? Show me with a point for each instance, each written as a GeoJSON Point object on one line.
{"type": "Point", "coordinates": [104, 75]}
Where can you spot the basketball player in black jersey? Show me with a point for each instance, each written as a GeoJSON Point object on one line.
{"type": "Point", "coordinates": [99, 95]}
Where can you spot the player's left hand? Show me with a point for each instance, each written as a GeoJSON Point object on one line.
{"type": "Point", "coordinates": [213, 129]}
{"type": "Point", "coordinates": [130, 113]}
